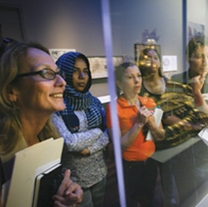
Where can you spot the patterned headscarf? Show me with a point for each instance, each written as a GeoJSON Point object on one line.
{"type": "Point", "coordinates": [76, 100]}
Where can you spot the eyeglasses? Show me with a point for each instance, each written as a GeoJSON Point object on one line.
{"type": "Point", "coordinates": [45, 73]}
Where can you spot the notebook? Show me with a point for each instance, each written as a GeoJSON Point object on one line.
{"type": "Point", "coordinates": [46, 185]}
{"type": "Point", "coordinates": [29, 163]}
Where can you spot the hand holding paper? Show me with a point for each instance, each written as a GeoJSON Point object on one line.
{"type": "Point", "coordinates": [158, 116]}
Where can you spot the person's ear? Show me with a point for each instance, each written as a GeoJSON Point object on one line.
{"type": "Point", "coordinates": [118, 83]}
{"type": "Point", "coordinates": [11, 94]}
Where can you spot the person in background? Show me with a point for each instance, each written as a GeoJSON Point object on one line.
{"type": "Point", "coordinates": [192, 164]}
{"type": "Point", "coordinates": [135, 114]}
{"type": "Point", "coordinates": [153, 86]}
{"type": "Point", "coordinates": [30, 91]}
{"type": "Point", "coordinates": [197, 56]}
{"type": "Point", "coordinates": [86, 135]}
{"type": "Point", "coordinates": [156, 86]}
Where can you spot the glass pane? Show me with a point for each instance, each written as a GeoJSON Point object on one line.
{"type": "Point", "coordinates": [164, 42]}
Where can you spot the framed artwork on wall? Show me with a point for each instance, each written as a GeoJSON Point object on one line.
{"type": "Point", "coordinates": [169, 63]}
{"type": "Point", "coordinates": [56, 53]}
{"type": "Point", "coordinates": [98, 65]}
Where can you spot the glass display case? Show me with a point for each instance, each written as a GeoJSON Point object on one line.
{"type": "Point", "coordinates": [172, 35]}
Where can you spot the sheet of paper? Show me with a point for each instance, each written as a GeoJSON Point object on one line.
{"type": "Point", "coordinates": [158, 116]}
{"type": "Point", "coordinates": [203, 134]}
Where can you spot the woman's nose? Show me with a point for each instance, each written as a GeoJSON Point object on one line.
{"type": "Point", "coordinates": [82, 74]}
{"type": "Point", "coordinates": [60, 81]}
{"type": "Point", "coordinates": [205, 60]}
{"type": "Point", "coordinates": [136, 79]}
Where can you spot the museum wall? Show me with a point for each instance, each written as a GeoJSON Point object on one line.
{"type": "Point", "coordinates": [77, 25]}
{"type": "Point", "coordinates": [131, 18]}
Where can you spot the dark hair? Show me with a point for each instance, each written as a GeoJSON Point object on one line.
{"type": "Point", "coordinates": [143, 67]}
{"type": "Point", "coordinates": [194, 43]}
{"type": "Point", "coordinates": [6, 42]}
{"type": "Point", "coordinates": [119, 72]}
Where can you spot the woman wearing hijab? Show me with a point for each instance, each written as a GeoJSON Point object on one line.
{"type": "Point", "coordinates": [86, 136]}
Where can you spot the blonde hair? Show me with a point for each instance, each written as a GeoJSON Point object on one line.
{"type": "Point", "coordinates": [11, 63]}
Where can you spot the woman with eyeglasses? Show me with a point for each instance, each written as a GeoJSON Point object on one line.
{"type": "Point", "coordinates": [86, 137]}
{"type": "Point", "coordinates": [30, 91]}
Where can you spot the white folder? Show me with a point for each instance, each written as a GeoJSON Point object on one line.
{"type": "Point", "coordinates": [29, 163]}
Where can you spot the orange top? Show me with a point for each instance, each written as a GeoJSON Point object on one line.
{"type": "Point", "coordinates": [140, 149]}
